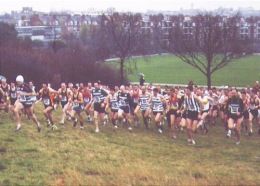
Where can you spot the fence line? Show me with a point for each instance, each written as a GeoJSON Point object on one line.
{"type": "Point", "coordinates": [183, 85]}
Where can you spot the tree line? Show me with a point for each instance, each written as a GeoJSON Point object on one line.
{"type": "Point", "coordinates": [208, 46]}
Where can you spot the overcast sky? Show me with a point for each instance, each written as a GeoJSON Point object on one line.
{"type": "Point", "coordinates": [123, 5]}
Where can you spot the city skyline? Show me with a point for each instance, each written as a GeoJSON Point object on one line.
{"type": "Point", "coordinates": [127, 5]}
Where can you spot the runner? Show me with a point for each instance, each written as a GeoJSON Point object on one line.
{"type": "Point", "coordinates": [98, 96]}
{"type": "Point", "coordinates": [234, 107]}
{"type": "Point", "coordinates": [2, 102]}
{"type": "Point", "coordinates": [47, 95]}
{"type": "Point", "coordinates": [174, 106]}
{"type": "Point", "coordinates": [65, 95]}
{"type": "Point", "coordinates": [157, 108]}
{"type": "Point", "coordinates": [222, 103]}
{"type": "Point", "coordinates": [135, 92]}
{"type": "Point", "coordinates": [193, 107]}
{"type": "Point", "coordinates": [87, 97]}
{"type": "Point", "coordinates": [24, 94]}
{"type": "Point", "coordinates": [254, 105]}
{"type": "Point", "coordinates": [6, 88]}
{"type": "Point", "coordinates": [13, 97]}
{"type": "Point", "coordinates": [245, 113]}
{"type": "Point", "coordinates": [112, 104]}
{"type": "Point", "coordinates": [214, 105]}
{"type": "Point", "coordinates": [206, 100]}
{"type": "Point", "coordinates": [124, 100]}
{"type": "Point", "coordinates": [144, 105]}
{"type": "Point", "coordinates": [77, 108]}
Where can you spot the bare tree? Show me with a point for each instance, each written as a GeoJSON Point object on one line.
{"type": "Point", "coordinates": [124, 36]}
{"type": "Point", "coordinates": [8, 36]}
{"type": "Point", "coordinates": [206, 42]}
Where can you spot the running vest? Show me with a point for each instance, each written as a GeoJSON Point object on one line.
{"type": "Point", "coordinates": [86, 96]}
{"type": "Point", "coordinates": [64, 96]}
{"type": "Point", "coordinates": [215, 99]}
{"type": "Point", "coordinates": [174, 103]}
{"type": "Point", "coordinates": [205, 102]}
{"type": "Point", "coordinates": [235, 105]}
{"type": "Point", "coordinates": [46, 98]}
{"type": "Point", "coordinates": [5, 88]}
{"type": "Point", "coordinates": [124, 99]}
{"type": "Point", "coordinates": [76, 97]}
{"type": "Point", "coordinates": [144, 101]}
{"type": "Point", "coordinates": [1, 96]}
{"type": "Point", "coordinates": [113, 102]}
{"type": "Point", "coordinates": [25, 88]}
{"type": "Point", "coordinates": [157, 103]}
{"type": "Point", "coordinates": [135, 96]}
{"type": "Point", "coordinates": [191, 103]}
{"type": "Point", "coordinates": [13, 95]}
{"type": "Point", "coordinates": [98, 95]}
{"type": "Point", "coordinates": [253, 104]}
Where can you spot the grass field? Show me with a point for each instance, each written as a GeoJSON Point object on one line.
{"type": "Point", "coordinates": [69, 156]}
{"type": "Point", "coordinates": [169, 69]}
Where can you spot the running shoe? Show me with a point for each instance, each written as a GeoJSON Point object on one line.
{"type": "Point", "coordinates": [18, 128]}
{"type": "Point", "coordinates": [229, 134]}
{"type": "Point", "coordinates": [75, 122]}
{"type": "Point", "coordinates": [39, 127]}
{"type": "Point", "coordinates": [54, 127]}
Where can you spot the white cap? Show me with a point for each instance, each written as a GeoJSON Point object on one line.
{"type": "Point", "coordinates": [19, 78]}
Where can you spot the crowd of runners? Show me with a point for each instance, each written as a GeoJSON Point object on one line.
{"type": "Point", "coordinates": [190, 108]}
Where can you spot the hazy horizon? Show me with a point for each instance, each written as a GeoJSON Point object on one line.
{"type": "Point", "coordinates": [127, 5]}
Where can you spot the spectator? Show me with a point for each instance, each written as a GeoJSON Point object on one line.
{"type": "Point", "coordinates": [142, 80]}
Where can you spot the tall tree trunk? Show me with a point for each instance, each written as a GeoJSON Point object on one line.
{"type": "Point", "coordinates": [209, 80]}
{"type": "Point", "coordinates": [0, 64]}
{"type": "Point", "coordinates": [122, 71]}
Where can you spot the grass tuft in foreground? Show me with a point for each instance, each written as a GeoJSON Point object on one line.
{"type": "Point", "coordinates": [69, 156]}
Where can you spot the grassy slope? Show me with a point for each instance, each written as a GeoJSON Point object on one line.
{"type": "Point", "coordinates": [169, 69]}
{"type": "Point", "coordinates": [73, 157]}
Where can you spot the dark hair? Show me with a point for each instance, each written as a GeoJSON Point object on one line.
{"type": "Point", "coordinates": [189, 87]}
{"type": "Point", "coordinates": [190, 83]}
{"type": "Point", "coordinates": [155, 89]}
{"type": "Point", "coordinates": [112, 88]}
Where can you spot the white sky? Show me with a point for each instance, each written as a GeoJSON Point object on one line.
{"type": "Point", "coordinates": [6, 6]}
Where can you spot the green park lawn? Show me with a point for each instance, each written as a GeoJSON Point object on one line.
{"type": "Point", "coordinates": [168, 69]}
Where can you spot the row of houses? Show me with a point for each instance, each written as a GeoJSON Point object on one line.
{"type": "Point", "coordinates": [47, 27]}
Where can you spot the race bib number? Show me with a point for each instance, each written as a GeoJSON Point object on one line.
{"type": "Point", "coordinates": [22, 98]}
{"type": "Point", "coordinates": [96, 99]}
{"type": "Point", "coordinates": [252, 106]}
{"type": "Point", "coordinates": [13, 95]}
{"type": "Point", "coordinates": [122, 103]}
{"type": "Point", "coordinates": [64, 98]}
{"type": "Point", "coordinates": [113, 105]}
{"type": "Point", "coordinates": [144, 102]}
{"type": "Point", "coordinates": [75, 104]}
{"type": "Point", "coordinates": [175, 106]}
{"type": "Point", "coordinates": [46, 101]}
{"type": "Point", "coordinates": [191, 107]}
{"type": "Point", "coordinates": [157, 106]}
{"type": "Point", "coordinates": [86, 100]}
{"type": "Point", "coordinates": [234, 109]}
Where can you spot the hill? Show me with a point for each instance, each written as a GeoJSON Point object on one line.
{"type": "Point", "coordinates": [70, 156]}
